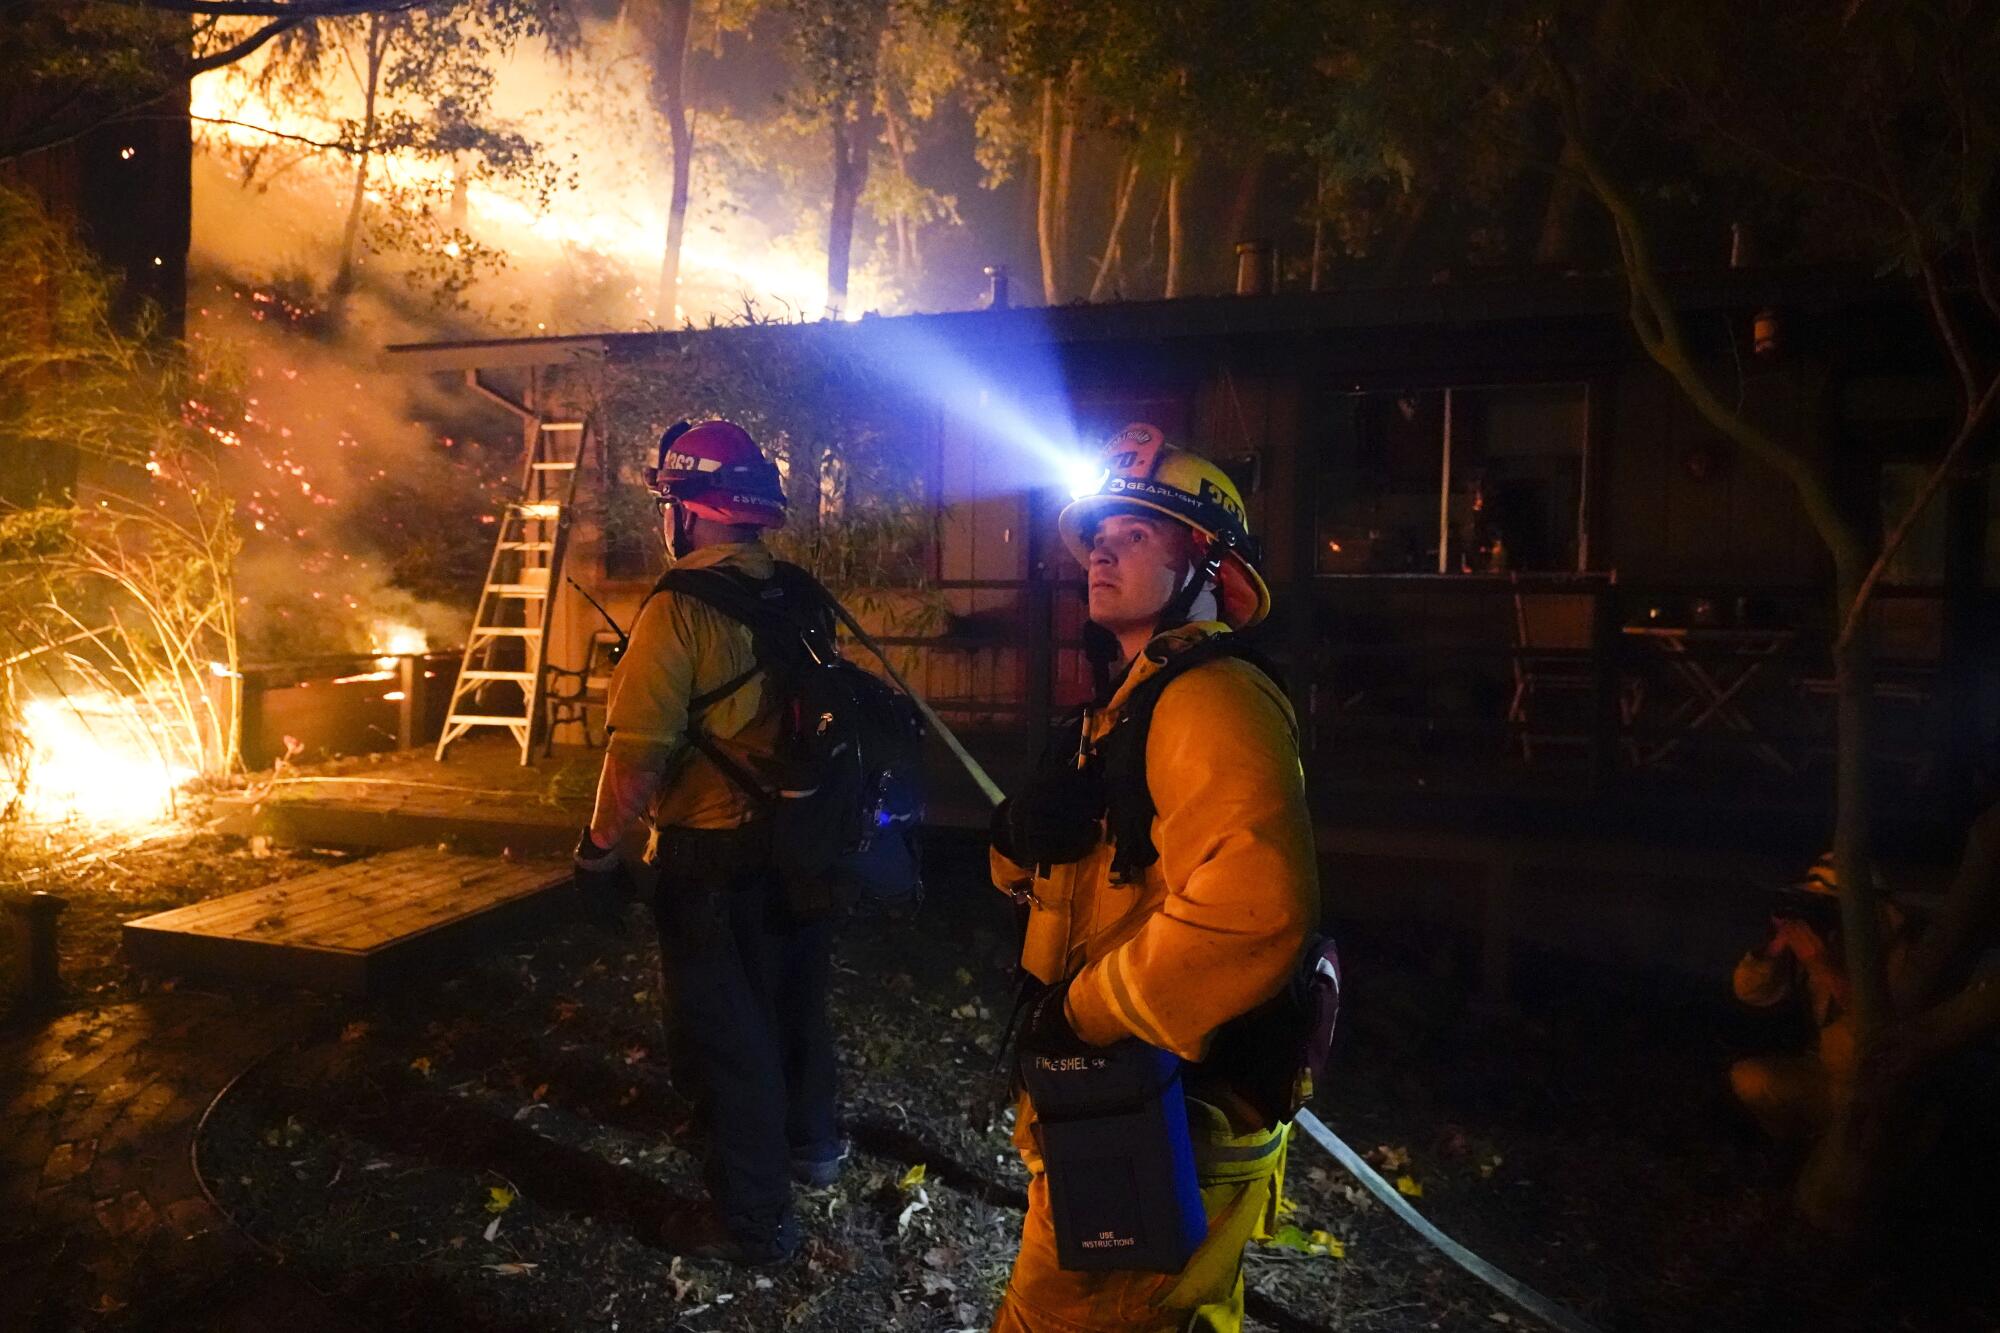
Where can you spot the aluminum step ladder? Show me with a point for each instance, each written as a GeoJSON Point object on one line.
{"type": "Point", "coordinates": [502, 681]}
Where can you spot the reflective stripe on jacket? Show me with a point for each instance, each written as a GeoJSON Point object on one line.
{"type": "Point", "coordinates": [681, 649]}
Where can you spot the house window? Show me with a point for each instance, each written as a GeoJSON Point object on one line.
{"type": "Point", "coordinates": [1458, 480]}
{"type": "Point", "coordinates": [1920, 560]}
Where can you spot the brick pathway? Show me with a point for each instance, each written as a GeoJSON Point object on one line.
{"type": "Point", "coordinates": [102, 1223]}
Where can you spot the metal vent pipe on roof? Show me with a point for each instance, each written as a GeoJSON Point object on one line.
{"type": "Point", "coordinates": [996, 296]}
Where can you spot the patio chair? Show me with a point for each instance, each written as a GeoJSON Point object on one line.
{"type": "Point", "coordinates": [571, 695]}
{"type": "Point", "coordinates": [1553, 661]}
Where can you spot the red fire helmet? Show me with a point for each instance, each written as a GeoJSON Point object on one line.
{"type": "Point", "coordinates": [718, 472]}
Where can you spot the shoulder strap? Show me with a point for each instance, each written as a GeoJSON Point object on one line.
{"type": "Point", "coordinates": [1130, 810]}
{"type": "Point", "coordinates": [741, 599]}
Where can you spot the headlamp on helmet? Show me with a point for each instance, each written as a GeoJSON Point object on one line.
{"type": "Point", "coordinates": [1142, 473]}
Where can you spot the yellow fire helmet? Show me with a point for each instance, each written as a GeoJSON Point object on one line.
{"type": "Point", "coordinates": [1143, 472]}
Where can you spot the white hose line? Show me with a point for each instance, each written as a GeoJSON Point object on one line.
{"type": "Point", "coordinates": [979, 775]}
{"type": "Point", "coordinates": [1524, 1296]}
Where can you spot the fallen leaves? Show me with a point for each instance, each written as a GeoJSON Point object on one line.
{"type": "Point", "coordinates": [1315, 1242]}
{"type": "Point", "coordinates": [1409, 1187]}
{"type": "Point", "coordinates": [499, 1199]}
{"type": "Point", "coordinates": [912, 1178]}
{"type": "Point", "coordinates": [512, 1270]}
{"type": "Point", "coordinates": [919, 1202]}
{"type": "Point", "coordinates": [287, 1135]}
{"type": "Point", "coordinates": [1387, 1157]}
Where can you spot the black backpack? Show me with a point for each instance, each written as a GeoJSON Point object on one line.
{"type": "Point", "coordinates": [848, 789]}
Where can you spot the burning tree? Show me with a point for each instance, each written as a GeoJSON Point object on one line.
{"type": "Point", "coordinates": [118, 682]}
{"type": "Point", "coordinates": [403, 99]}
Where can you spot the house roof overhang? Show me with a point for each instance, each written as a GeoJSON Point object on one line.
{"type": "Point", "coordinates": [1467, 306]}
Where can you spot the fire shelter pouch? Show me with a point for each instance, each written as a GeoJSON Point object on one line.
{"type": "Point", "coordinates": [1119, 1158]}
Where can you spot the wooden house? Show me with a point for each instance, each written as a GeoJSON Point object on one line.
{"type": "Point", "coordinates": [1527, 599]}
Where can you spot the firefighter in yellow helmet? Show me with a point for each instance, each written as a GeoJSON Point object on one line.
{"type": "Point", "coordinates": [1168, 872]}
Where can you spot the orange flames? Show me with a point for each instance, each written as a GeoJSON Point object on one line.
{"type": "Point", "coordinates": [95, 758]}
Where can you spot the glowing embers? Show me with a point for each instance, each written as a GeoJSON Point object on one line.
{"type": "Point", "coordinates": [100, 758]}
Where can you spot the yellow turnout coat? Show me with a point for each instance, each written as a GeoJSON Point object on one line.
{"type": "Point", "coordinates": [1213, 928]}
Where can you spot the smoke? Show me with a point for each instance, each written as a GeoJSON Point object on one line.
{"type": "Point", "coordinates": [364, 500]}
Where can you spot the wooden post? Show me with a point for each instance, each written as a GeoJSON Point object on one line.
{"type": "Point", "coordinates": [38, 971]}
{"type": "Point", "coordinates": [250, 735]}
{"type": "Point", "coordinates": [410, 676]}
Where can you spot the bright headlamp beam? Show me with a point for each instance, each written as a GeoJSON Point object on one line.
{"type": "Point", "coordinates": [1084, 476]}
{"type": "Point", "coordinates": [1023, 409]}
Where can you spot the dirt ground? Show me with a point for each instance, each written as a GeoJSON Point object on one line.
{"type": "Point", "coordinates": [493, 1150]}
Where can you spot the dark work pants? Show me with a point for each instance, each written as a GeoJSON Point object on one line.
{"type": "Point", "coordinates": [746, 989]}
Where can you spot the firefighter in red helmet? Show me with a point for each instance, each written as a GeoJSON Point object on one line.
{"type": "Point", "coordinates": [745, 977]}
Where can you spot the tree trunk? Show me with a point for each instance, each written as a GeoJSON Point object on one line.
{"type": "Point", "coordinates": [908, 261]}
{"type": "Point", "coordinates": [850, 173]}
{"type": "Point", "coordinates": [670, 23]}
{"type": "Point", "coordinates": [1045, 198]}
{"type": "Point", "coordinates": [350, 237]}
{"type": "Point", "coordinates": [1410, 220]}
{"type": "Point", "coordinates": [1854, 694]}
{"type": "Point", "coordinates": [1556, 241]}
{"type": "Point", "coordinates": [1176, 218]}
{"type": "Point", "coordinates": [460, 209]}
{"type": "Point", "coordinates": [1318, 272]}
{"type": "Point", "coordinates": [1128, 179]}
{"type": "Point", "coordinates": [1241, 222]}
{"type": "Point", "coordinates": [1844, 1177]}
{"type": "Point", "coordinates": [1065, 155]}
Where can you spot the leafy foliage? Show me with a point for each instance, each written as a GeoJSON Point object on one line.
{"type": "Point", "coordinates": [121, 583]}
{"type": "Point", "coordinates": [407, 101]}
{"type": "Point", "coordinates": [807, 393]}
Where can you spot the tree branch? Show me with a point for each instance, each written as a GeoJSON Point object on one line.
{"type": "Point", "coordinates": [330, 145]}
{"type": "Point", "coordinates": [298, 10]}
{"type": "Point", "coordinates": [229, 55]}
{"type": "Point", "coordinates": [54, 134]}
{"type": "Point", "coordinates": [1657, 325]}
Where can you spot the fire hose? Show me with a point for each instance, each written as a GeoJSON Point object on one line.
{"type": "Point", "coordinates": [1522, 1295]}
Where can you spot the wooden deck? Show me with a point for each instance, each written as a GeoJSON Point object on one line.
{"type": "Point", "coordinates": [357, 927]}
{"type": "Point", "coordinates": [480, 798]}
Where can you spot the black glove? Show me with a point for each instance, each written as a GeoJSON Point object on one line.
{"type": "Point", "coordinates": [603, 885]}
{"type": "Point", "coordinates": [1055, 819]}
{"type": "Point", "coordinates": [1045, 1031]}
